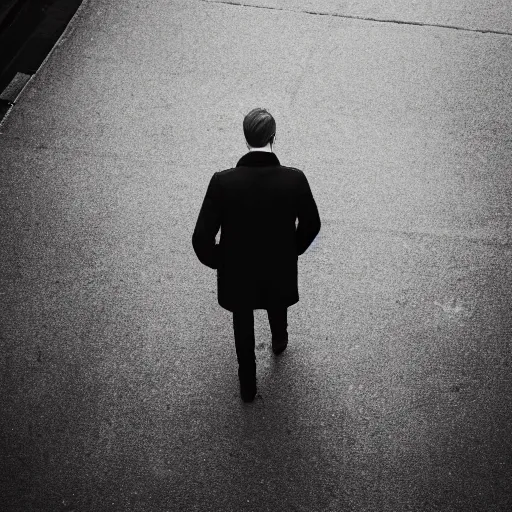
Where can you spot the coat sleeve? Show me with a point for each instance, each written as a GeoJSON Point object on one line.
{"type": "Point", "coordinates": [207, 226]}
{"type": "Point", "coordinates": [307, 213]}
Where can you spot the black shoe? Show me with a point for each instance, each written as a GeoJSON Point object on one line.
{"type": "Point", "coordinates": [248, 391]}
{"type": "Point", "coordinates": [279, 346]}
{"type": "Point", "coordinates": [247, 379]}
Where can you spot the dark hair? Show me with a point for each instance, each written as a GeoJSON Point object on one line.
{"type": "Point", "coordinates": [259, 127]}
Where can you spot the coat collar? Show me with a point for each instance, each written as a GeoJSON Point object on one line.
{"type": "Point", "coordinates": [258, 159]}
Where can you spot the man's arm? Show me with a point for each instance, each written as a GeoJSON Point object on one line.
{"type": "Point", "coordinates": [207, 226]}
{"type": "Point", "coordinates": [307, 213]}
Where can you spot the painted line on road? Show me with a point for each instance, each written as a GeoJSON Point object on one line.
{"type": "Point", "coordinates": [365, 18]}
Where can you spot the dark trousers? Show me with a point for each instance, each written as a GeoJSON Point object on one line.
{"type": "Point", "coordinates": [243, 327]}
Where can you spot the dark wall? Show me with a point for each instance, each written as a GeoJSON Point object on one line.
{"type": "Point", "coordinates": [28, 31]}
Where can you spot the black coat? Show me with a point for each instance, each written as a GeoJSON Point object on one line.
{"type": "Point", "coordinates": [256, 205]}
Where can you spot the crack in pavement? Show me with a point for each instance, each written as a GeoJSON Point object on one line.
{"type": "Point", "coordinates": [365, 18]}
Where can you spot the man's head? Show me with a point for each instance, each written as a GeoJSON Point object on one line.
{"type": "Point", "coordinates": [259, 128]}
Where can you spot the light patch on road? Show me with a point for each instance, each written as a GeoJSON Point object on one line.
{"type": "Point", "coordinates": [453, 308]}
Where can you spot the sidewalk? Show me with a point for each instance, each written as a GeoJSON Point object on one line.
{"type": "Point", "coordinates": [119, 384]}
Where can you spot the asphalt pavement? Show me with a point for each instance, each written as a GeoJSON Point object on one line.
{"type": "Point", "coordinates": [119, 388]}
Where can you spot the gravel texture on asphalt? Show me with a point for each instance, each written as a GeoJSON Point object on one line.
{"type": "Point", "coordinates": [119, 371]}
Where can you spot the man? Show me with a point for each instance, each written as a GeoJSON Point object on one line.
{"type": "Point", "coordinates": [256, 205]}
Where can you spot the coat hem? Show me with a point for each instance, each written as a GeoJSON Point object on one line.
{"type": "Point", "coordinates": [231, 308]}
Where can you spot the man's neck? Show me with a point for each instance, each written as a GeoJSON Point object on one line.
{"type": "Point", "coordinates": [266, 149]}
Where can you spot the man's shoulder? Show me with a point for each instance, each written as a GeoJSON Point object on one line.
{"type": "Point", "coordinates": [294, 170]}
{"type": "Point", "coordinates": [225, 172]}
{"type": "Point", "coordinates": [283, 168]}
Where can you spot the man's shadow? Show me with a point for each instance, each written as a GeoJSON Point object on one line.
{"type": "Point", "coordinates": [279, 450]}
